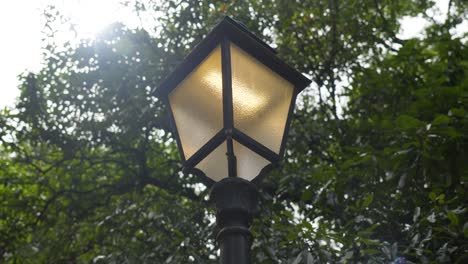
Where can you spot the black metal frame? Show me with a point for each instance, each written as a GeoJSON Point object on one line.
{"type": "Point", "coordinates": [226, 32]}
{"type": "Point", "coordinates": [236, 203]}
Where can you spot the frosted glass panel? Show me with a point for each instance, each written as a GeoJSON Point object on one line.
{"type": "Point", "coordinates": [215, 165]}
{"type": "Point", "coordinates": [197, 104]}
{"type": "Point", "coordinates": [261, 99]}
{"type": "Point", "coordinates": [249, 163]}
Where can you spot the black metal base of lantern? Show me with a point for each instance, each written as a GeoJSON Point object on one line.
{"type": "Point", "coordinates": [236, 201]}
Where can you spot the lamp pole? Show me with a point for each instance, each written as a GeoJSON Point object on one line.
{"type": "Point", "coordinates": [230, 103]}
{"type": "Point", "coordinates": [236, 201]}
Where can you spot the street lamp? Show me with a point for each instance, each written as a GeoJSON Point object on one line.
{"type": "Point", "coordinates": [230, 103]}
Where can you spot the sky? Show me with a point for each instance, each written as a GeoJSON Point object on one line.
{"type": "Point", "coordinates": [21, 28]}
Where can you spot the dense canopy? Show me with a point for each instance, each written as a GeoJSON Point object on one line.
{"type": "Point", "coordinates": [375, 169]}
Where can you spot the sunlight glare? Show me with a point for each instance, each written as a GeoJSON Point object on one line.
{"type": "Point", "coordinates": [90, 17]}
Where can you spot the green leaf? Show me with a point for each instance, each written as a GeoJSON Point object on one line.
{"type": "Point", "coordinates": [307, 194]}
{"type": "Point", "coordinates": [368, 200]}
{"type": "Point", "coordinates": [371, 251]}
{"type": "Point", "coordinates": [440, 119]}
{"type": "Point", "coordinates": [448, 131]}
{"type": "Point", "coordinates": [453, 218]}
{"type": "Point", "coordinates": [370, 242]}
{"type": "Point", "coordinates": [458, 112]}
{"type": "Point", "coordinates": [406, 122]}
{"type": "Point", "coordinates": [291, 236]}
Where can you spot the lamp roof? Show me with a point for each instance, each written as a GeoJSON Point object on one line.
{"type": "Point", "coordinates": [242, 37]}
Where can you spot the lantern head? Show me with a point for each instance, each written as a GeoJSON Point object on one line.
{"type": "Point", "coordinates": [230, 103]}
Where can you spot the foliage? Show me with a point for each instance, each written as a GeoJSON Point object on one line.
{"type": "Point", "coordinates": [89, 172]}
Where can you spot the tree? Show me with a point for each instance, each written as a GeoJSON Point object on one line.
{"type": "Point", "coordinates": [89, 171]}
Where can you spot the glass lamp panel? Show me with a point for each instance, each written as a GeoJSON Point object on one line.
{"type": "Point", "coordinates": [249, 163]}
{"type": "Point", "coordinates": [215, 165]}
{"type": "Point", "coordinates": [261, 99]}
{"type": "Point", "coordinates": [196, 104]}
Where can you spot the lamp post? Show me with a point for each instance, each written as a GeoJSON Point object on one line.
{"type": "Point", "coordinates": [230, 102]}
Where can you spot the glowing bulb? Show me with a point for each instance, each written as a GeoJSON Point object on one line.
{"type": "Point", "coordinates": [251, 101]}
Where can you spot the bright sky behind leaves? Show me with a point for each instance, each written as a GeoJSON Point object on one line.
{"type": "Point", "coordinates": [21, 26]}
